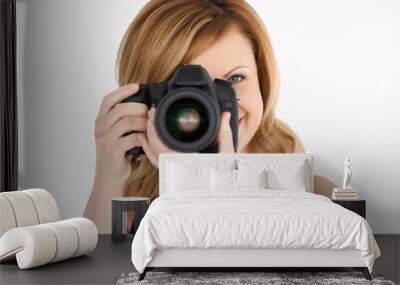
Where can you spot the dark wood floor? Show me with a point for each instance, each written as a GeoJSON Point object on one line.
{"type": "Point", "coordinates": [389, 262]}
{"type": "Point", "coordinates": [110, 260]}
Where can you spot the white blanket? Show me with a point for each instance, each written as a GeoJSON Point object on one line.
{"type": "Point", "coordinates": [251, 218]}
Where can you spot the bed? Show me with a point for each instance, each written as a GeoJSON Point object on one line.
{"type": "Point", "coordinates": [247, 211]}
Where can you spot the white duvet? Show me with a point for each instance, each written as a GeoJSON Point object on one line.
{"type": "Point", "coordinates": [251, 218]}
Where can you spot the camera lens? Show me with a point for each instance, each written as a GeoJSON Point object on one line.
{"type": "Point", "coordinates": [187, 120]}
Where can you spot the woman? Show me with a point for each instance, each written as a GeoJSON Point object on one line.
{"type": "Point", "coordinates": [225, 37]}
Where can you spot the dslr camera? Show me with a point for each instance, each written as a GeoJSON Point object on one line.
{"type": "Point", "coordinates": [188, 110]}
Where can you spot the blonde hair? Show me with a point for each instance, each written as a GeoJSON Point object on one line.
{"type": "Point", "coordinates": [168, 33]}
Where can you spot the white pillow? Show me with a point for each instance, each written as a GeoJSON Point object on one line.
{"type": "Point", "coordinates": [251, 178]}
{"type": "Point", "coordinates": [236, 179]}
{"type": "Point", "coordinates": [183, 177]}
{"type": "Point", "coordinates": [223, 179]}
{"type": "Point", "coordinates": [294, 178]}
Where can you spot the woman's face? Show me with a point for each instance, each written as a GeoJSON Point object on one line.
{"type": "Point", "coordinates": [232, 58]}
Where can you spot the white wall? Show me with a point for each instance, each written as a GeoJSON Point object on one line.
{"type": "Point", "coordinates": [339, 61]}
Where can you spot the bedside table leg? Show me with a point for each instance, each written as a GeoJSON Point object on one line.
{"type": "Point", "coordinates": [119, 226]}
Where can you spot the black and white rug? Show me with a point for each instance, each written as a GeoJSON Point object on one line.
{"type": "Point", "coordinates": [269, 278]}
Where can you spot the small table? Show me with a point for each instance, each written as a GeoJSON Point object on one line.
{"type": "Point", "coordinates": [120, 207]}
{"type": "Point", "coordinates": [357, 206]}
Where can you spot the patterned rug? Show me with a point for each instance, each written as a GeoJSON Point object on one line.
{"type": "Point", "coordinates": [269, 278]}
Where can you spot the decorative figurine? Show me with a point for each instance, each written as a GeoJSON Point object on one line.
{"type": "Point", "coordinates": [348, 172]}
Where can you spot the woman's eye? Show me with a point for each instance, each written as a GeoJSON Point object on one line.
{"type": "Point", "coordinates": [236, 78]}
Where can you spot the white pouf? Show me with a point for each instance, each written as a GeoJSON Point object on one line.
{"type": "Point", "coordinates": [40, 244]}
{"type": "Point", "coordinates": [45, 205]}
{"type": "Point", "coordinates": [7, 216]}
{"type": "Point", "coordinates": [23, 208]}
{"type": "Point", "coordinates": [31, 230]}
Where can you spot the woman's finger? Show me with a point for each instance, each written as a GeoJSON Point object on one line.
{"type": "Point", "coordinates": [104, 123]}
{"type": "Point", "coordinates": [151, 114]}
{"type": "Point", "coordinates": [142, 138]}
{"type": "Point", "coordinates": [127, 142]}
{"type": "Point", "coordinates": [225, 142]}
{"type": "Point", "coordinates": [117, 96]}
{"type": "Point", "coordinates": [127, 124]}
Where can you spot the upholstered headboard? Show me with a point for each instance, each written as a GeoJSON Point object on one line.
{"type": "Point", "coordinates": [228, 160]}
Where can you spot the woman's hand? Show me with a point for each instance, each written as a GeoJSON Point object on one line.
{"type": "Point", "coordinates": [153, 146]}
{"type": "Point", "coordinates": [113, 121]}
{"type": "Point", "coordinates": [113, 166]}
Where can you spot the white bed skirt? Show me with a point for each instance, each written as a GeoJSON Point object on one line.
{"type": "Point", "coordinates": [251, 257]}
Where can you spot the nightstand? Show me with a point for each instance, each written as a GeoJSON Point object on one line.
{"type": "Point", "coordinates": [357, 206]}
{"type": "Point", "coordinates": [120, 207]}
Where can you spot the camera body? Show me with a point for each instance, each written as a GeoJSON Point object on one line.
{"type": "Point", "coordinates": [188, 110]}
